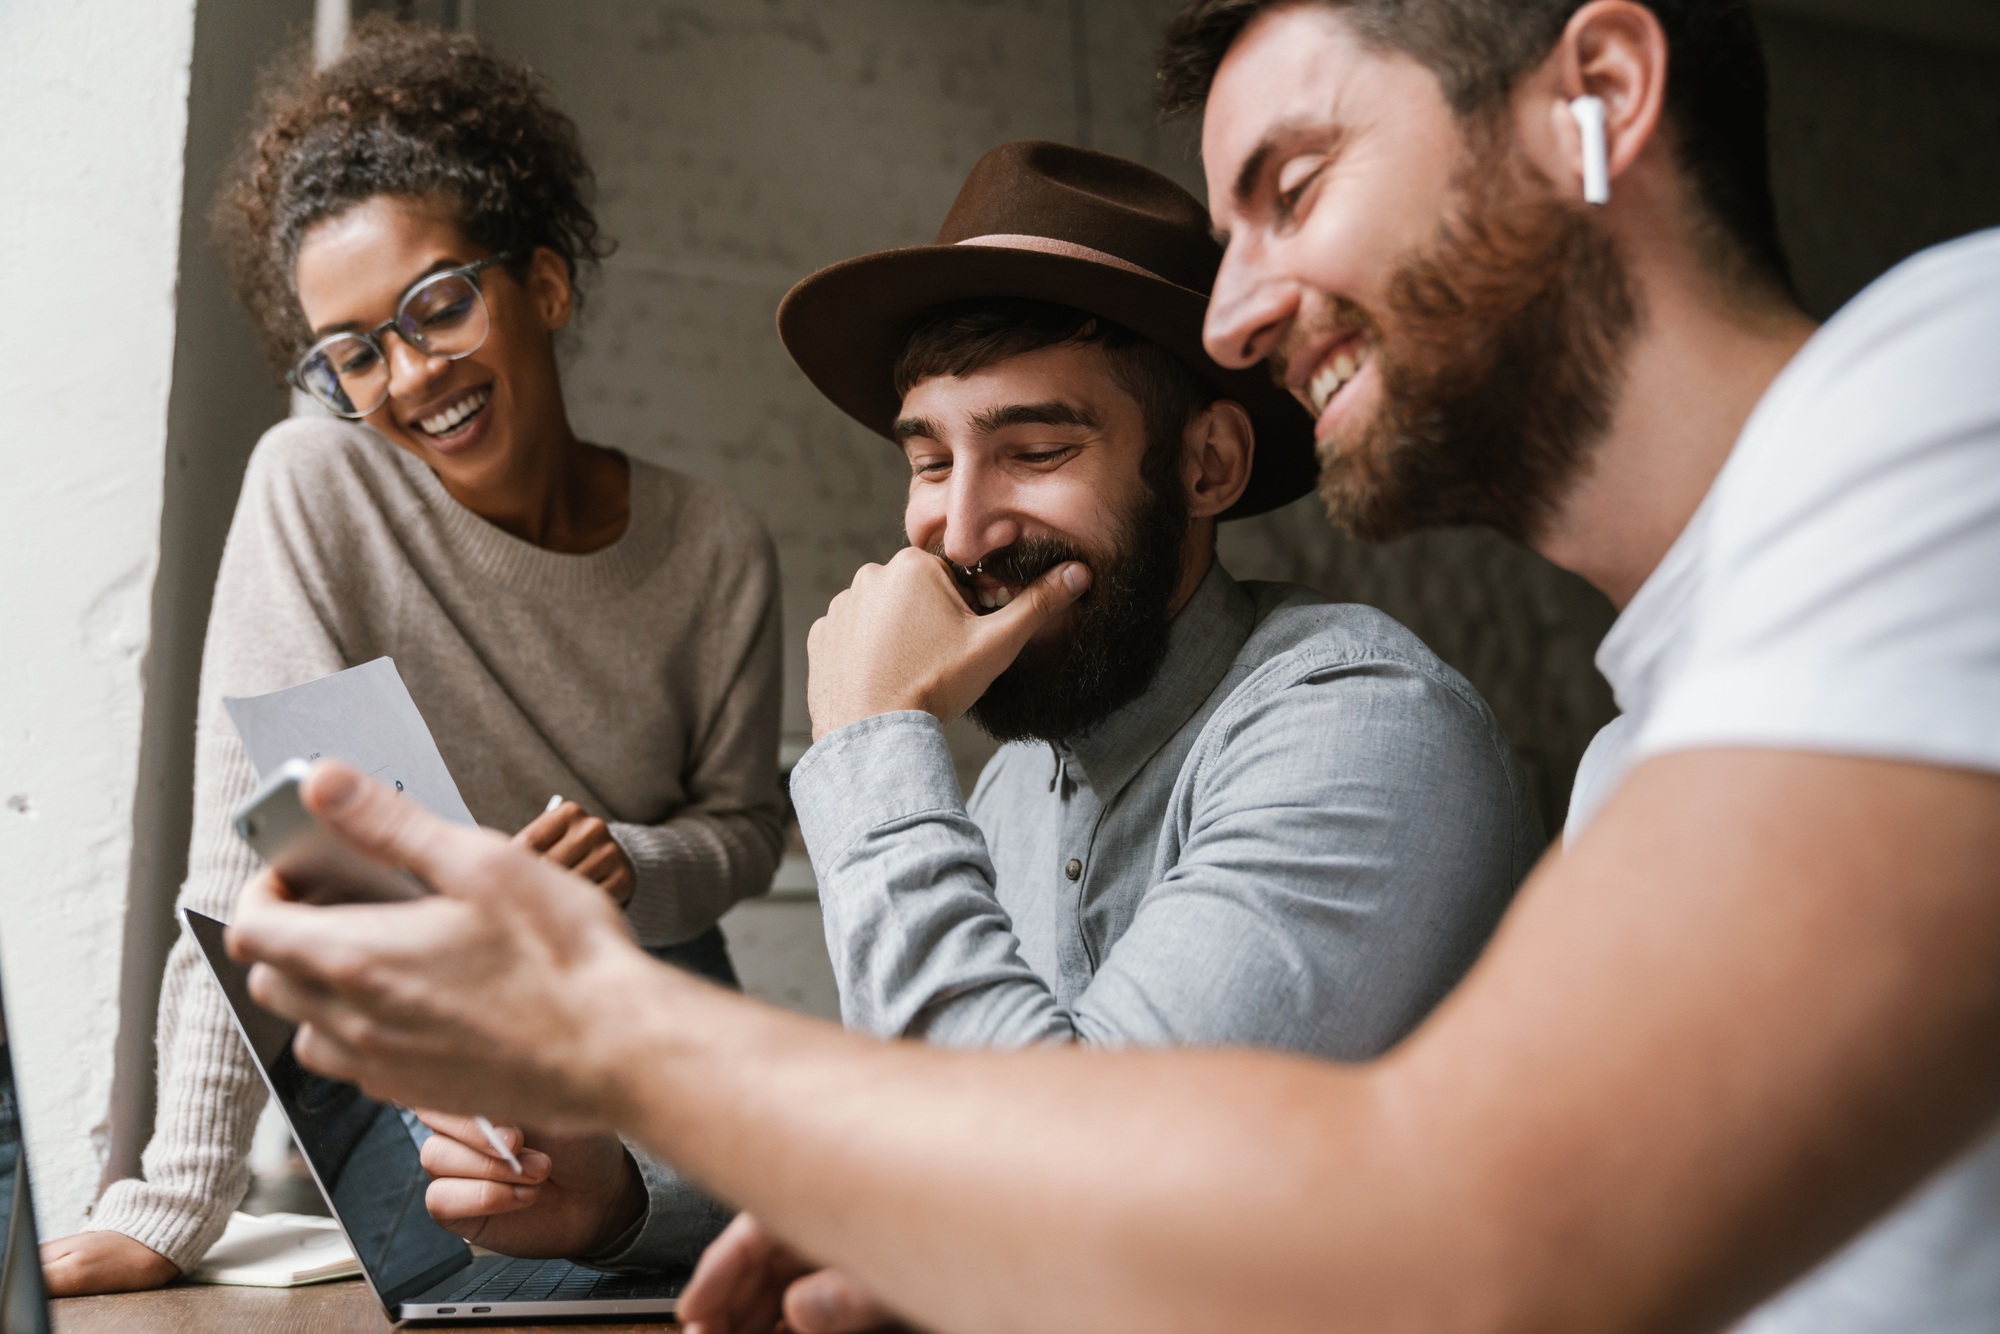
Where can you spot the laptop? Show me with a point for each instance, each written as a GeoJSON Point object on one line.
{"type": "Point", "coordinates": [24, 1308]}
{"type": "Point", "coordinates": [363, 1154]}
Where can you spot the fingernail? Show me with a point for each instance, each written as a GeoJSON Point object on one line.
{"type": "Point", "coordinates": [334, 785]}
{"type": "Point", "coordinates": [524, 1194]}
{"type": "Point", "coordinates": [1076, 576]}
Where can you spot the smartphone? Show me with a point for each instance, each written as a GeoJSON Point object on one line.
{"type": "Point", "coordinates": [316, 866]}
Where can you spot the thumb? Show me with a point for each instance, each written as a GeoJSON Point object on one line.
{"type": "Point", "coordinates": [382, 824]}
{"type": "Point", "coordinates": [1035, 606]}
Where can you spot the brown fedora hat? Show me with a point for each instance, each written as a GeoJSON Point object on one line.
{"type": "Point", "coordinates": [1051, 223]}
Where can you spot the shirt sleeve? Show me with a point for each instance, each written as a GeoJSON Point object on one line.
{"type": "Point", "coordinates": [723, 846]}
{"type": "Point", "coordinates": [1348, 838]}
{"type": "Point", "coordinates": [1850, 586]}
{"type": "Point", "coordinates": [676, 1228]}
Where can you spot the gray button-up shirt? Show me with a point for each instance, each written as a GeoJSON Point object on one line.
{"type": "Point", "coordinates": [1300, 837]}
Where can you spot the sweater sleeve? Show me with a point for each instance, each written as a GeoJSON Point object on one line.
{"type": "Point", "coordinates": [723, 846]}
{"type": "Point", "coordinates": [273, 624]}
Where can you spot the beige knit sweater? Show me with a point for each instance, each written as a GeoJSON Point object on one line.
{"type": "Point", "coordinates": [641, 681]}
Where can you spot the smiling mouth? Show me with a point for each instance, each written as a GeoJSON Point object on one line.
{"type": "Point", "coordinates": [992, 598]}
{"type": "Point", "coordinates": [1337, 372]}
{"type": "Point", "coordinates": [457, 414]}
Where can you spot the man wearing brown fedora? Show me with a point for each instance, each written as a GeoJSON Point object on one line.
{"type": "Point", "coordinates": [1226, 813]}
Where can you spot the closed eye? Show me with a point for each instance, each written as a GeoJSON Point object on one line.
{"type": "Point", "coordinates": [1041, 457]}
{"type": "Point", "coordinates": [1295, 180]}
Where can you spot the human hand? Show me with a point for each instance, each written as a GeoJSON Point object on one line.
{"type": "Point", "coordinates": [503, 992]}
{"type": "Point", "coordinates": [86, 1263]}
{"type": "Point", "coordinates": [902, 637]}
{"type": "Point", "coordinates": [746, 1279]}
{"type": "Point", "coordinates": [573, 1195]}
{"type": "Point", "coordinates": [576, 840]}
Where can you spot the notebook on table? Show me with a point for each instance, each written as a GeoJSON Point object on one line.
{"type": "Point", "coordinates": [277, 1251]}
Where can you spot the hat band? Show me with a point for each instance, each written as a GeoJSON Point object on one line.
{"type": "Point", "coordinates": [1049, 245]}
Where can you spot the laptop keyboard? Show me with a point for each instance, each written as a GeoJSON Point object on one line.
{"type": "Point", "coordinates": [558, 1281]}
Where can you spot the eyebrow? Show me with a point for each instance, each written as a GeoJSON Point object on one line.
{"type": "Point", "coordinates": [907, 429]}
{"type": "Point", "coordinates": [354, 326]}
{"type": "Point", "coordinates": [1281, 137]}
{"type": "Point", "coordinates": [1051, 412]}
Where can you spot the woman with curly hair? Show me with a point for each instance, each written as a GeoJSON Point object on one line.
{"type": "Point", "coordinates": [406, 228]}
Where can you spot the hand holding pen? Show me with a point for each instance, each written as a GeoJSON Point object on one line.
{"type": "Point", "coordinates": [571, 837]}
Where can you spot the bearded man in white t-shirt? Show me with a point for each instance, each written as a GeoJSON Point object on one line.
{"type": "Point", "coordinates": [1732, 1051]}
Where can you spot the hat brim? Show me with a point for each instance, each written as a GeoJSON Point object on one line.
{"type": "Point", "coordinates": [845, 326]}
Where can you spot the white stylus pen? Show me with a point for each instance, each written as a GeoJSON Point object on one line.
{"type": "Point", "coordinates": [554, 802]}
{"type": "Point", "coordinates": [498, 1145]}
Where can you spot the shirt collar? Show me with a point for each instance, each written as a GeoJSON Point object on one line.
{"type": "Point", "coordinates": [1202, 642]}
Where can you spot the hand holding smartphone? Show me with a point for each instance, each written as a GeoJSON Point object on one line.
{"type": "Point", "coordinates": [314, 864]}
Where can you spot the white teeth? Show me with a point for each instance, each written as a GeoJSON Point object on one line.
{"type": "Point", "coordinates": [1324, 386]}
{"type": "Point", "coordinates": [996, 599]}
{"type": "Point", "coordinates": [456, 413]}
{"type": "Point", "coordinates": [1332, 377]}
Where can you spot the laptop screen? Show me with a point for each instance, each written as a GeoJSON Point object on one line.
{"type": "Point", "coordinates": [363, 1152]}
{"type": "Point", "coordinates": [23, 1309]}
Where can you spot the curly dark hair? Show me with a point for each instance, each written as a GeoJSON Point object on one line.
{"type": "Point", "coordinates": [407, 110]}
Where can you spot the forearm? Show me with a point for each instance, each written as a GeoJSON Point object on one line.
{"type": "Point", "coordinates": [1626, 1119]}
{"type": "Point", "coordinates": [1123, 1208]}
{"type": "Point", "coordinates": [919, 943]}
{"type": "Point", "coordinates": [195, 1167]}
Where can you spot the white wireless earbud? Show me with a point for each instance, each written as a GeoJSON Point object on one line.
{"type": "Point", "coordinates": [1589, 113]}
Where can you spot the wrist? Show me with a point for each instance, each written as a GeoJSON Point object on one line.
{"type": "Point", "coordinates": [626, 1211]}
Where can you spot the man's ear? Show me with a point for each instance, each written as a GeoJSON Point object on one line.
{"type": "Point", "coordinates": [1215, 462]}
{"type": "Point", "coordinates": [1612, 50]}
{"type": "Point", "coordinates": [550, 289]}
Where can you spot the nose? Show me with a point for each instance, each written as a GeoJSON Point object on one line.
{"type": "Point", "coordinates": [975, 518]}
{"type": "Point", "coordinates": [1249, 310]}
{"type": "Point", "coordinates": [411, 372]}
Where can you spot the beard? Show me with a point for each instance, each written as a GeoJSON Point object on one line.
{"type": "Point", "coordinates": [1500, 353]}
{"type": "Point", "coordinates": [1062, 687]}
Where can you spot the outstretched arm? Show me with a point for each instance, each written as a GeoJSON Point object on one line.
{"type": "Point", "coordinates": [1745, 1012]}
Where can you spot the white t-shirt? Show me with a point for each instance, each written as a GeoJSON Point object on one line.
{"type": "Point", "coordinates": [1839, 591]}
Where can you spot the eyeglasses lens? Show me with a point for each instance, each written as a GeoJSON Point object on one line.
{"type": "Point", "coordinates": [346, 374]}
{"type": "Point", "coordinates": [445, 317]}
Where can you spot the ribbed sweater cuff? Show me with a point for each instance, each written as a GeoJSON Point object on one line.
{"type": "Point", "coordinates": [166, 1222]}
{"type": "Point", "coordinates": [689, 872]}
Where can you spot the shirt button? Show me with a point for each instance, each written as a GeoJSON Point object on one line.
{"type": "Point", "coordinates": [1073, 868]}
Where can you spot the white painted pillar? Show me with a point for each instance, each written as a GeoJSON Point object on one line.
{"type": "Point", "coordinates": [93, 98]}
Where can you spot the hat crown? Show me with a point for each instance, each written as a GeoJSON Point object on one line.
{"type": "Point", "coordinates": [1086, 198]}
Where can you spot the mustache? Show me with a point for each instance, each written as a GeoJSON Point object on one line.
{"type": "Point", "coordinates": [1342, 316]}
{"type": "Point", "coordinates": [1018, 563]}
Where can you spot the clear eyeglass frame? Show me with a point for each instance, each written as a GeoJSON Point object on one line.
{"type": "Point", "coordinates": [317, 371]}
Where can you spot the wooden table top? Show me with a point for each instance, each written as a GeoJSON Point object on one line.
{"type": "Point", "coordinates": [345, 1307]}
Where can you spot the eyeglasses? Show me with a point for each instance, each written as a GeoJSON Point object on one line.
{"type": "Point", "coordinates": [443, 315]}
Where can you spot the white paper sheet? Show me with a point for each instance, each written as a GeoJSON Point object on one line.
{"type": "Point", "coordinates": [363, 716]}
